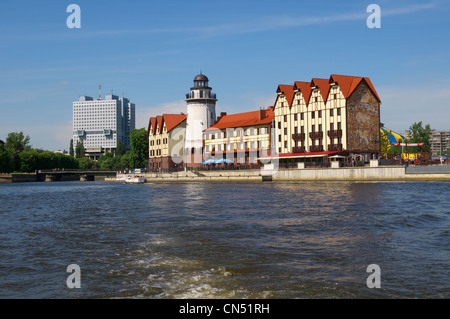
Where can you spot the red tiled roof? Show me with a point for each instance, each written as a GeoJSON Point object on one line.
{"type": "Point", "coordinates": [159, 122]}
{"type": "Point", "coordinates": [151, 125]}
{"type": "Point", "coordinates": [288, 91]}
{"type": "Point", "coordinates": [323, 85]}
{"type": "Point", "coordinates": [172, 120]}
{"type": "Point", "coordinates": [253, 118]}
{"type": "Point", "coordinates": [349, 83]}
{"type": "Point", "coordinates": [305, 88]}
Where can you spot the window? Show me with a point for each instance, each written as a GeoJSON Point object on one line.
{"type": "Point", "coordinates": [331, 126]}
{"type": "Point", "coordinates": [285, 144]}
{"type": "Point", "coordinates": [301, 116]}
{"type": "Point", "coordinates": [338, 111]}
{"type": "Point", "coordinates": [279, 138]}
{"type": "Point", "coordinates": [302, 129]}
{"type": "Point", "coordinates": [313, 115]}
{"type": "Point", "coordinates": [331, 112]}
{"type": "Point", "coordinates": [339, 125]}
{"type": "Point", "coordinates": [285, 131]}
{"type": "Point", "coordinates": [279, 125]}
{"type": "Point", "coordinates": [313, 128]}
{"type": "Point", "coordinates": [320, 114]}
{"type": "Point", "coordinates": [285, 118]}
{"type": "Point", "coordinates": [295, 117]}
{"type": "Point", "coordinates": [295, 130]}
{"type": "Point", "coordinates": [320, 127]}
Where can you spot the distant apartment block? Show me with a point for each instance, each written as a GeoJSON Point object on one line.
{"type": "Point", "coordinates": [101, 123]}
{"type": "Point", "coordinates": [440, 142]}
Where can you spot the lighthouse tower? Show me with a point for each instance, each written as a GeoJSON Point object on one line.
{"type": "Point", "coordinates": [201, 113]}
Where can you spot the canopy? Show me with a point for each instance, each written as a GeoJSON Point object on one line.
{"type": "Point", "coordinates": [223, 160]}
{"type": "Point", "coordinates": [393, 137]}
{"type": "Point", "coordinates": [210, 161]}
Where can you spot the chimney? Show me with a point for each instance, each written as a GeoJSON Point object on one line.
{"type": "Point", "coordinates": [262, 113]}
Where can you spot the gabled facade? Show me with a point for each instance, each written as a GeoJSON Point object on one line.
{"type": "Point", "coordinates": [340, 114]}
{"type": "Point", "coordinates": [166, 141]}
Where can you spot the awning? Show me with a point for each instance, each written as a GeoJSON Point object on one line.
{"type": "Point", "coordinates": [300, 155]}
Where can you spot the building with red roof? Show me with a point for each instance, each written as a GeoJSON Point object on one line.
{"type": "Point", "coordinates": [240, 138]}
{"type": "Point", "coordinates": [323, 117]}
{"type": "Point", "coordinates": [166, 141]}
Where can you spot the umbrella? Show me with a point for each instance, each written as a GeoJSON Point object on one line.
{"type": "Point", "coordinates": [210, 161]}
{"type": "Point", "coordinates": [223, 160]}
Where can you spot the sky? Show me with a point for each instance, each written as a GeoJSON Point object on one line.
{"type": "Point", "coordinates": [150, 52]}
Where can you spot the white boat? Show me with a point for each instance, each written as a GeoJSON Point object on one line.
{"type": "Point", "coordinates": [135, 180]}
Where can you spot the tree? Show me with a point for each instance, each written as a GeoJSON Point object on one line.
{"type": "Point", "coordinates": [139, 148]}
{"type": "Point", "coordinates": [384, 143]}
{"type": "Point", "coordinates": [120, 149]}
{"type": "Point", "coordinates": [125, 161]}
{"type": "Point", "coordinates": [71, 148]}
{"type": "Point", "coordinates": [29, 161]}
{"type": "Point", "coordinates": [421, 134]}
{"type": "Point", "coordinates": [86, 163]}
{"type": "Point", "coordinates": [79, 150]}
{"type": "Point", "coordinates": [17, 142]}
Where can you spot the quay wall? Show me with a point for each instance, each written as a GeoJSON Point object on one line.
{"type": "Point", "coordinates": [367, 173]}
{"type": "Point", "coordinates": [18, 178]}
{"type": "Point", "coordinates": [387, 173]}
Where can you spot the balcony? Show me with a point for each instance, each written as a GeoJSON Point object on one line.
{"type": "Point", "coordinates": [335, 133]}
{"type": "Point", "coordinates": [316, 148]}
{"type": "Point", "coordinates": [315, 135]}
{"type": "Point", "coordinates": [299, 149]}
{"type": "Point", "coordinates": [335, 147]}
{"type": "Point", "coordinates": [298, 136]}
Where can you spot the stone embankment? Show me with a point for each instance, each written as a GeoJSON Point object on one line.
{"type": "Point", "coordinates": [366, 173]}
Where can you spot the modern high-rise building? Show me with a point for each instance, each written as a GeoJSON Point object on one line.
{"type": "Point", "coordinates": [101, 123]}
{"type": "Point", "coordinates": [440, 142]}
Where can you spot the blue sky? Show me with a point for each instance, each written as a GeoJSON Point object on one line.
{"type": "Point", "coordinates": [150, 51]}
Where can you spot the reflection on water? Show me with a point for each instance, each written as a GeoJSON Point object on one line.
{"type": "Point", "coordinates": [224, 240]}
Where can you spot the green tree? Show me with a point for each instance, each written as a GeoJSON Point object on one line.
{"type": "Point", "coordinates": [120, 149]}
{"type": "Point", "coordinates": [420, 134]}
{"type": "Point", "coordinates": [29, 161]}
{"type": "Point", "coordinates": [8, 160]}
{"type": "Point", "coordinates": [125, 161]}
{"type": "Point", "coordinates": [17, 142]}
{"type": "Point", "coordinates": [79, 150]}
{"type": "Point", "coordinates": [139, 148]}
{"type": "Point", "coordinates": [71, 148]}
{"type": "Point", "coordinates": [86, 163]}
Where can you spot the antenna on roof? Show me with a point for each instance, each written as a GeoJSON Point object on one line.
{"type": "Point", "coordinates": [99, 92]}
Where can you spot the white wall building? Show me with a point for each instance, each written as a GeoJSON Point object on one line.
{"type": "Point", "coordinates": [201, 114]}
{"type": "Point", "coordinates": [99, 124]}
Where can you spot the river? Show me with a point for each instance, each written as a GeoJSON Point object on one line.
{"type": "Point", "coordinates": [225, 240]}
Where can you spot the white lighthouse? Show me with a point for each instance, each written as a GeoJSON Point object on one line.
{"type": "Point", "coordinates": [201, 114]}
